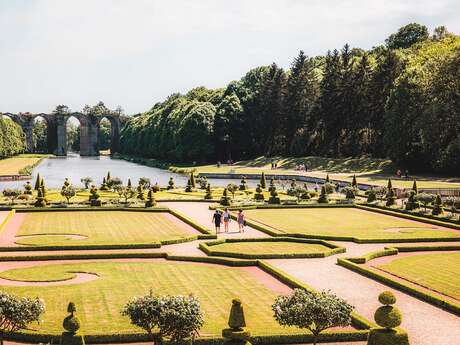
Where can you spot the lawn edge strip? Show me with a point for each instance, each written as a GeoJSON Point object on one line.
{"type": "Point", "coordinates": [356, 265]}
{"type": "Point", "coordinates": [10, 215]}
{"type": "Point", "coordinates": [206, 247]}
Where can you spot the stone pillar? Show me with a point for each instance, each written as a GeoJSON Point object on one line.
{"type": "Point", "coordinates": [115, 135]}
{"type": "Point", "coordinates": [28, 129]}
{"type": "Point", "coordinates": [88, 137]}
{"type": "Point", "coordinates": [61, 135]}
{"type": "Point", "coordinates": [52, 134]}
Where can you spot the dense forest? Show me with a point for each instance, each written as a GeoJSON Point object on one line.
{"type": "Point", "coordinates": [400, 100]}
{"type": "Point", "coordinates": [12, 140]}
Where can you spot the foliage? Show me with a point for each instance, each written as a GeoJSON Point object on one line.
{"type": "Point", "coordinates": [407, 36]}
{"type": "Point", "coordinates": [12, 194]}
{"type": "Point", "coordinates": [425, 199]}
{"type": "Point", "coordinates": [12, 139]}
{"type": "Point", "coordinates": [16, 313]}
{"type": "Point", "coordinates": [349, 192]}
{"type": "Point", "coordinates": [263, 181]}
{"type": "Point", "coordinates": [225, 200]}
{"type": "Point", "coordinates": [323, 198]}
{"type": "Point", "coordinates": [438, 207]}
{"type": "Point", "coordinates": [232, 188]}
{"type": "Point", "coordinates": [176, 317]}
{"type": "Point", "coordinates": [150, 199]}
{"type": "Point", "coordinates": [68, 192]}
{"type": "Point", "coordinates": [86, 181]}
{"type": "Point", "coordinates": [171, 183]}
{"type": "Point", "coordinates": [144, 182]}
{"type": "Point", "coordinates": [371, 196]}
{"type": "Point", "coordinates": [315, 311]}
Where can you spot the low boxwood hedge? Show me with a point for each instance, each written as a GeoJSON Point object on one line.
{"type": "Point", "coordinates": [207, 247]}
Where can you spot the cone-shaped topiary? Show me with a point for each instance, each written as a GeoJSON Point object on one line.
{"type": "Point", "coordinates": [390, 197]}
{"type": "Point", "coordinates": [37, 182]}
{"type": "Point", "coordinates": [237, 334]}
{"type": "Point", "coordinates": [272, 185]}
{"type": "Point", "coordinates": [323, 198]}
{"type": "Point", "coordinates": [208, 194]}
{"type": "Point", "coordinates": [150, 199]}
{"type": "Point", "coordinates": [140, 192]}
{"type": "Point", "coordinates": [328, 180]}
{"type": "Point", "coordinates": [192, 180]}
{"type": "Point", "coordinates": [104, 185]}
{"type": "Point", "coordinates": [108, 178]}
{"type": "Point", "coordinates": [390, 184]}
{"type": "Point", "coordinates": [354, 183]}
{"type": "Point", "coordinates": [263, 181]}
{"type": "Point", "coordinates": [40, 200]}
{"type": "Point", "coordinates": [438, 207]}
{"type": "Point", "coordinates": [189, 187]}
{"type": "Point", "coordinates": [414, 187]}
{"type": "Point", "coordinates": [244, 183]}
{"type": "Point", "coordinates": [170, 184]}
{"type": "Point", "coordinates": [274, 198]}
{"type": "Point", "coordinates": [258, 195]}
{"type": "Point", "coordinates": [129, 185]}
{"type": "Point", "coordinates": [236, 320]}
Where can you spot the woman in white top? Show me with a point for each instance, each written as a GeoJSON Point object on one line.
{"type": "Point", "coordinates": [226, 219]}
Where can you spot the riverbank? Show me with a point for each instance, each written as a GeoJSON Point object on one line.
{"type": "Point", "coordinates": [20, 167]}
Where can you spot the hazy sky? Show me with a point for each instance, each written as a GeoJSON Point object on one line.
{"type": "Point", "coordinates": [134, 53]}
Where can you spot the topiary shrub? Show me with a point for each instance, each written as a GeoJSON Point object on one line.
{"type": "Point", "coordinates": [208, 194]}
{"type": "Point", "coordinates": [171, 184]}
{"type": "Point", "coordinates": [390, 197]}
{"type": "Point", "coordinates": [349, 193]}
{"type": "Point", "coordinates": [192, 180]}
{"type": "Point", "coordinates": [438, 207]}
{"type": "Point", "coordinates": [259, 195]}
{"type": "Point", "coordinates": [323, 198]}
{"type": "Point", "coordinates": [189, 187]}
{"type": "Point", "coordinates": [329, 187]}
{"type": "Point", "coordinates": [371, 196]}
{"type": "Point", "coordinates": [203, 182]}
{"type": "Point", "coordinates": [225, 200]}
{"type": "Point", "coordinates": [94, 197]}
{"type": "Point", "coordinates": [155, 188]}
{"type": "Point", "coordinates": [28, 188]}
{"type": "Point", "coordinates": [388, 317]}
{"type": "Point", "coordinates": [412, 202]}
{"type": "Point", "coordinates": [150, 199]}
{"type": "Point", "coordinates": [243, 183]}
{"type": "Point", "coordinates": [104, 185]}
{"type": "Point", "coordinates": [140, 192]}
{"type": "Point", "coordinates": [274, 198]}
{"type": "Point", "coordinates": [40, 200]}
{"type": "Point", "coordinates": [263, 181]}
{"type": "Point", "coordinates": [71, 323]}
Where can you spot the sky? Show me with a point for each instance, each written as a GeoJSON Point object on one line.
{"type": "Point", "coordinates": [134, 53]}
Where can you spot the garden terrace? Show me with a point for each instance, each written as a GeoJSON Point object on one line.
{"type": "Point", "coordinates": [348, 223]}
{"type": "Point", "coordinates": [270, 248]}
{"type": "Point", "coordinates": [119, 280]}
{"type": "Point", "coordinates": [98, 228]}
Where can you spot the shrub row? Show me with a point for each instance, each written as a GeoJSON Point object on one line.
{"type": "Point", "coordinates": [95, 209]}
{"type": "Point", "coordinates": [425, 248]}
{"type": "Point", "coordinates": [84, 247]}
{"type": "Point", "coordinates": [402, 286]}
{"type": "Point", "coordinates": [374, 255]}
{"type": "Point", "coordinates": [7, 219]}
{"type": "Point", "coordinates": [429, 219]}
{"type": "Point", "coordinates": [207, 248]}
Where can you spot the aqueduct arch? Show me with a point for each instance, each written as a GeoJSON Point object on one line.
{"type": "Point", "coordinates": [57, 131]}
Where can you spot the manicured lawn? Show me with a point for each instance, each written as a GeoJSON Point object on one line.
{"type": "Point", "coordinates": [99, 302]}
{"type": "Point", "coordinates": [12, 166]}
{"type": "Point", "coordinates": [108, 227]}
{"type": "Point", "coordinates": [265, 248]}
{"type": "Point", "coordinates": [438, 272]}
{"type": "Point", "coordinates": [344, 222]}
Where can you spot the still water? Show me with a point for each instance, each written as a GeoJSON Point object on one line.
{"type": "Point", "coordinates": [55, 169]}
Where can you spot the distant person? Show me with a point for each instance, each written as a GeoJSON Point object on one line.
{"type": "Point", "coordinates": [217, 219]}
{"type": "Point", "coordinates": [306, 167]}
{"type": "Point", "coordinates": [398, 173]}
{"type": "Point", "coordinates": [218, 164]}
{"type": "Point", "coordinates": [226, 219]}
{"type": "Point", "coordinates": [241, 220]}
{"type": "Point", "coordinates": [406, 173]}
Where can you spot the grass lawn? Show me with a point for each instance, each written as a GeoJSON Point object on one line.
{"type": "Point", "coordinates": [12, 166]}
{"type": "Point", "coordinates": [368, 170]}
{"type": "Point", "coordinates": [266, 248]}
{"type": "Point", "coordinates": [344, 222]}
{"type": "Point", "coordinates": [110, 227]}
{"type": "Point", "coordinates": [99, 302]}
{"type": "Point", "coordinates": [438, 272]}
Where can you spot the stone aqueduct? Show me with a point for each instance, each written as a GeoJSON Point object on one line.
{"type": "Point", "coordinates": [57, 131]}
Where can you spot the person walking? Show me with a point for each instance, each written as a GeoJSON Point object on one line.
{"type": "Point", "coordinates": [217, 219]}
{"type": "Point", "coordinates": [226, 219]}
{"type": "Point", "coordinates": [241, 220]}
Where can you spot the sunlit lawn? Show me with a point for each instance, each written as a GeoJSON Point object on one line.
{"type": "Point", "coordinates": [100, 227]}
{"type": "Point", "coordinates": [344, 222]}
{"type": "Point", "coordinates": [266, 248]}
{"type": "Point", "coordinates": [439, 272]}
{"type": "Point", "coordinates": [99, 302]}
{"type": "Point", "coordinates": [12, 166]}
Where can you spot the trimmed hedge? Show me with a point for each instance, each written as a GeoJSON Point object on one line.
{"type": "Point", "coordinates": [355, 264]}
{"type": "Point", "coordinates": [7, 219]}
{"type": "Point", "coordinates": [374, 255]}
{"type": "Point", "coordinates": [426, 248]}
{"type": "Point", "coordinates": [207, 248]}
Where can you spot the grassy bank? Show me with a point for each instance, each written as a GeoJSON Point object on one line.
{"type": "Point", "coordinates": [21, 164]}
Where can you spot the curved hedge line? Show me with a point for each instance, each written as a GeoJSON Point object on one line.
{"type": "Point", "coordinates": [207, 248]}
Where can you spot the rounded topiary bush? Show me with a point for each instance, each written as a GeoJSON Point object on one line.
{"type": "Point", "coordinates": [71, 324]}
{"type": "Point", "coordinates": [388, 316]}
{"type": "Point", "coordinates": [387, 298]}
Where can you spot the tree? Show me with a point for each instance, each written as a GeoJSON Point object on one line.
{"type": "Point", "coordinates": [315, 311]}
{"type": "Point", "coordinates": [176, 317]}
{"type": "Point", "coordinates": [16, 313]}
{"type": "Point", "coordinates": [425, 199]}
{"type": "Point", "coordinates": [150, 199]}
{"type": "Point", "coordinates": [68, 192]}
{"type": "Point", "coordinates": [126, 192]}
{"type": "Point", "coordinates": [438, 206]}
{"type": "Point", "coordinates": [440, 32]}
{"type": "Point", "coordinates": [38, 182]}
{"type": "Point", "coordinates": [144, 182]}
{"type": "Point", "coordinates": [407, 35]}
{"type": "Point", "coordinates": [12, 138]}
{"type": "Point", "coordinates": [232, 188]}
{"type": "Point", "coordinates": [86, 181]}
{"type": "Point", "coordinates": [12, 194]}
{"type": "Point", "coordinates": [263, 181]}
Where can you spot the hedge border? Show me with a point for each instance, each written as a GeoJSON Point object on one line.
{"type": "Point", "coordinates": [5, 221]}
{"type": "Point", "coordinates": [206, 247]}
{"type": "Point", "coordinates": [356, 265]}
{"type": "Point", "coordinates": [360, 323]}
{"type": "Point", "coordinates": [275, 233]}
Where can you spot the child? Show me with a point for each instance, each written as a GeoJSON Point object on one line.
{"type": "Point", "coordinates": [241, 220]}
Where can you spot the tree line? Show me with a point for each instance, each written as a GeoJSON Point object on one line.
{"type": "Point", "coordinates": [12, 139]}
{"type": "Point", "coordinates": [398, 100]}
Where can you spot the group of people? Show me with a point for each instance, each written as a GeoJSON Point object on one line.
{"type": "Point", "coordinates": [220, 217]}
{"type": "Point", "coordinates": [399, 173]}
